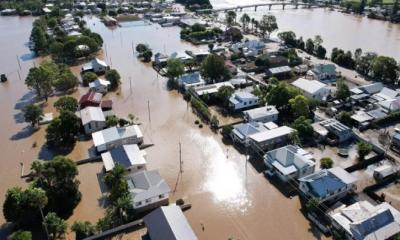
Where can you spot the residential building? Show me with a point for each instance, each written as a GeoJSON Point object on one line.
{"type": "Point", "coordinates": [148, 190]}
{"type": "Point", "coordinates": [160, 59]}
{"type": "Point", "coordinates": [262, 114]}
{"type": "Point", "coordinates": [211, 88]}
{"type": "Point", "coordinates": [312, 88]}
{"type": "Point", "coordinates": [283, 72]}
{"type": "Point", "coordinates": [129, 156]}
{"type": "Point", "coordinates": [92, 119]}
{"type": "Point", "coordinates": [242, 99]}
{"type": "Point", "coordinates": [189, 80]}
{"type": "Point", "coordinates": [96, 65]}
{"type": "Point", "coordinates": [112, 137]}
{"type": "Point", "coordinates": [99, 85]}
{"type": "Point", "coordinates": [271, 138]}
{"type": "Point", "coordinates": [362, 220]}
{"type": "Point", "coordinates": [90, 99]}
{"type": "Point", "coordinates": [242, 131]}
{"type": "Point", "coordinates": [328, 185]}
{"type": "Point", "coordinates": [184, 57]}
{"type": "Point", "coordinates": [168, 223]}
{"type": "Point", "coordinates": [396, 141]}
{"type": "Point", "coordinates": [323, 72]}
{"type": "Point", "coordinates": [289, 163]}
{"type": "Point", "coordinates": [340, 131]}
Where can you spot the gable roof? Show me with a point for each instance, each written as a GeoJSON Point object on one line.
{"type": "Point", "coordinates": [115, 133]}
{"type": "Point", "coordinates": [309, 86]}
{"type": "Point", "coordinates": [261, 112]}
{"type": "Point", "coordinates": [91, 97]}
{"type": "Point", "coordinates": [90, 114]}
{"type": "Point", "coordinates": [243, 130]}
{"type": "Point", "coordinates": [168, 223]}
{"type": "Point", "coordinates": [325, 69]}
{"type": "Point", "coordinates": [126, 155]}
{"type": "Point", "coordinates": [99, 82]}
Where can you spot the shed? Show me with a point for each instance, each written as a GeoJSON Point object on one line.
{"type": "Point", "coordinates": [383, 171]}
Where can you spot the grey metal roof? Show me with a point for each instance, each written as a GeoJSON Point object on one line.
{"type": "Point", "coordinates": [168, 223]}
{"type": "Point", "coordinates": [146, 184]}
{"type": "Point", "coordinates": [278, 70]}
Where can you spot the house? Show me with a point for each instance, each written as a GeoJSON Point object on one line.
{"type": "Point", "coordinates": [328, 185]}
{"type": "Point", "coordinates": [386, 94]}
{"type": "Point", "coordinates": [283, 72]}
{"type": "Point", "coordinates": [129, 156]}
{"type": "Point", "coordinates": [109, 21]}
{"type": "Point", "coordinates": [189, 80]}
{"type": "Point", "coordinates": [93, 119]}
{"type": "Point", "coordinates": [198, 55]}
{"type": "Point", "coordinates": [160, 59]}
{"type": "Point", "coordinates": [362, 220]}
{"type": "Point", "coordinates": [99, 85]}
{"type": "Point", "coordinates": [384, 171]}
{"type": "Point", "coordinates": [312, 88]}
{"type": "Point", "coordinates": [262, 114]}
{"type": "Point", "coordinates": [91, 98]}
{"type": "Point", "coordinates": [249, 48]}
{"type": "Point", "coordinates": [289, 163]}
{"type": "Point", "coordinates": [368, 89]}
{"type": "Point", "coordinates": [184, 57]}
{"type": "Point", "coordinates": [362, 119]}
{"type": "Point", "coordinates": [323, 72]}
{"type": "Point", "coordinates": [96, 65]}
{"type": "Point", "coordinates": [211, 88]}
{"type": "Point", "coordinates": [189, 22]}
{"type": "Point", "coordinates": [396, 141]}
{"type": "Point", "coordinates": [148, 190]}
{"type": "Point", "coordinates": [242, 99]}
{"type": "Point", "coordinates": [242, 131]}
{"type": "Point", "coordinates": [112, 137]}
{"type": "Point", "coordinates": [168, 223]}
{"type": "Point", "coordinates": [333, 127]}
{"type": "Point", "coordinates": [271, 138]}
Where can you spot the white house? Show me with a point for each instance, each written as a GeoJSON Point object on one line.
{"type": "Point", "coordinates": [92, 119]}
{"type": "Point", "coordinates": [312, 88]}
{"type": "Point", "coordinates": [99, 85]}
{"type": "Point", "coordinates": [148, 190]}
{"type": "Point", "coordinates": [289, 163]}
{"type": "Point", "coordinates": [362, 220]}
{"type": "Point", "coordinates": [242, 131]}
{"type": "Point", "coordinates": [112, 137]}
{"type": "Point", "coordinates": [271, 138]}
{"type": "Point", "coordinates": [189, 80]}
{"type": "Point", "coordinates": [341, 132]}
{"type": "Point", "coordinates": [168, 223]}
{"type": "Point", "coordinates": [129, 156]}
{"type": "Point", "coordinates": [242, 99]}
{"type": "Point", "coordinates": [328, 185]}
{"type": "Point", "coordinates": [211, 88]}
{"type": "Point", "coordinates": [323, 72]}
{"type": "Point", "coordinates": [96, 65]}
{"type": "Point", "coordinates": [262, 114]}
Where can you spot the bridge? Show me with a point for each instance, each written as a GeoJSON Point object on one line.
{"type": "Point", "coordinates": [255, 6]}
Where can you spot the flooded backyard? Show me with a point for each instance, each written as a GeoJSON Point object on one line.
{"type": "Point", "coordinates": [228, 196]}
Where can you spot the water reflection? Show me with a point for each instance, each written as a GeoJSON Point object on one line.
{"type": "Point", "coordinates": [225, 177]}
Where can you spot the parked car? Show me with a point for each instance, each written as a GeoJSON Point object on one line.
{"type": "Point", "coordinates": [3, 77]}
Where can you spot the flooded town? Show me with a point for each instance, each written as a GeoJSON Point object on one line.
{"type": "Point", "coordinates": [197, 119]}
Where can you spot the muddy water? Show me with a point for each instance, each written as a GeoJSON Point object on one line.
{"type": "Point", "coordinates": [337, 29]}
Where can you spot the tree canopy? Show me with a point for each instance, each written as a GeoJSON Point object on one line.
{"type": "Point", "coordinates": [268, 25]}
{"type": "Point", "coordinates": [326, 162]}
{"type": "Point", "coordinates": [300, 106]}
{"type": "Point", "coordinates": [32, 114]}
{"type": "Point", "coordinates": [66, 103]}
{"type": "Point", "coordinates": [342, 90]}
{"type": "Point", "coordinates": [56, 227]}
{"type": "Point", "coordinates": [303, 127]}
{"type": "Point", "coordinates": [113, 77]}
{"type": "Point", "coordinates": [175, 68]}
{"type": "Point", "coordinates": [63, 130]}
{"type": "Point", "coordinates": [363, 149]}
{"type": "Point", "coordinates": [213, 69]}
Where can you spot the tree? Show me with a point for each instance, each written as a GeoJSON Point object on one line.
{"type": "Point", "coordinates": [312, 204]}
{"type": "Point", "coordinates": [32, 114]}
{"type": "Point", "coordinates": [141, 48]}
{"type": "Point", "coordinates": [245, 20]}
{"type": "Point", "coordinates": [113, 77]}
{"type": "Point", "coordinates": [309, 46]}
{"type": "Point", "coordinates": [342, 90]}
{"type": "Point", "coordinates": [88, 77]}
{"type": "Point", "coordinates": [21, 235]}
{"type": "Point", "coordinates": [363, 149]}
{"type": "Point", "coordinates": [83, 229]}
{"type": "Point", "coordinates": [39, 40]}
{"type": "Point", "coordinates": [300, 106]}
{"type": "Point", "coordinates": [214, 122]}
{"type": "Point", "coordinates": [120, 208]}
{"type": "Point", "coordinates": [41, 79]}
{"type": "Point", "coordinates": [326, 162]}
{"type": "Point", "coordinates": [317, 41]}
{"type": "Point", "coordinates": [175, 68]}
{"type": "Point", "coordinates": [288, 37]}
{"type": "Point", "coordinates": [57, 227]}
{"type": "Point", "coordinates": [364, 64]}
{"type": "Point", "coordinates": [66, 103]}
{"type": "Point", "coordinates": [267, 25]}
{"type": "Point", "coordinates": [300, 43]}
{"type": "Point", "coordinates": [385, 69]}
{"type": "Point", "coordinates": [23, 207]}
{"type": "Point", "coordinates": [213, 69]}
{"type": "Point", "coordinates": [230, 18]}
{"type": "Point", "coordinates": [65, 81]}
{"type": "Point", "coordinates": [146, 55]}
{"type": "Point", "coordinates": [58, 179]}
{"type": "Point", "coordinates": [112, 121]}
{"type": "Point", "coordinates": [303, 127]}
{"type": "Point", "coordinates": [63, 130]}
{"type": "Point", "coordinates": [226, 130]}
{"type": "Point", "coordinates": [320, 52]}
{"type": "Point", "coordinates": [224, 93]}
{"type": "Point", "coordinates": [280, 95]}
{"type": "Point", "coordinates": [116, 183]}
{"type": "Point", "coordinates": [345, 118]}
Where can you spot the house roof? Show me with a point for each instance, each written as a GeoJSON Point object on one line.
{"type": "Point", "coordinates": [271, 134]}
{"type": "Point", "coordinates": [278, 70]}
{"type": "Point", "coordinates": [241, 96]}
{"type": "Point", "coordinates": [92, 114]}
{"type": "Point", "coordinates": [386, 94]}
{"type": "Point", "coordinates": [260, 112]}
{"type": "Point", "coordinates": [126, 155]}
{"type": "Point", "coordinates": [99, 82]}
{"type": "Point", "coordinates": [289, 159]}
{"type": "Point", "coordinates": [190, 78]}
{"type": "Point", "coordinates": [243, 130]}
{"type": "Point", "coordinates": [333, 125]}
{"type": "Point", "coordinates": [114, 133]}
{"type": "Point", "coordinates": [361, 117]}
{"type": "Point", "coordinates": [99, 62]}
{"type": "Point", "coordinates": [309, 86]}
{"type": "Point", "coordinates": [327, 181]}
{"type": "Point", "coordinates": [362, 220]}
{"type": "Point", "coordinates": [325, 69]}
{"type": "Point", "coordinates": [372, 88]}
{"type": "Point", "coordinates": [146, 184]}
{"type": "Point", "coordinates": [211, 88]}
{"type": "Point", "coordinates": [92, 97]}
{"type": "Point", "coordinates": [168, 223]}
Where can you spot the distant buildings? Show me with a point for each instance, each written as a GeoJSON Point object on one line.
{"type": "Point", "coordinates": [289, 163]}
{"type": "Point", "coordinates": [312, 88]}
{"type": "Point", "coordinates": [148, 190]}
{"type": "Point", "coordinates": [362, 220]}
{"type": "Point", "coordinates": [327, 184]}
{"type": "Point", "coordinates": [168, 223]}
{"type": "Point", "coordinates": [112, 137]}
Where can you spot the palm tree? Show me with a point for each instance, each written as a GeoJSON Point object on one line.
{"type": "Point", "coordinates": [121, 207]}
{"type": "Point", "coordinates": [245, 19]}
{"type": "Point", "coordinates": [230, 18]}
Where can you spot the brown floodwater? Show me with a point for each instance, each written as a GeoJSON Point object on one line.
{"type": "Point", "coordinates": [231, 198]}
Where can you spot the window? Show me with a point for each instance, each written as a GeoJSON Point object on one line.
{"type": "Point", "coordinates": [245, 103]}
{"type": "Point", "coordinates": [250, 102]}
{"type": "Point", "coordinates": [148, 200]}
{"type": "Point", "coordinates": [160, 196]}
{"type": "Point", "coordinates": [138, 203]}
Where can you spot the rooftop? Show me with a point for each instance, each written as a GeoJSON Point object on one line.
{"type": "Point", "coordinates": [126, 155]}
{"type": "Point", "coordinates": [309, 86]}
{"type": "Point", "coordinates": [90, 114]}
{"type": "Point", "coordinates": [271, 134]}
{"type": "Point", "coordinates": [115, 133]}
{"type": "Point", "coordinates": [261, 112]}
{"type": "Point", "coordinates": [146, 184]}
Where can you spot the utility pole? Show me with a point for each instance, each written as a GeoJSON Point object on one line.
{"type": "Point", "coordinates": [130, 83]}
{"type": "Point", "coordinates": [180, 158]}
{"type": "Point", "coordinates": [148, 109]}
{"type": "Point", "coordinates": [19, 63]}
